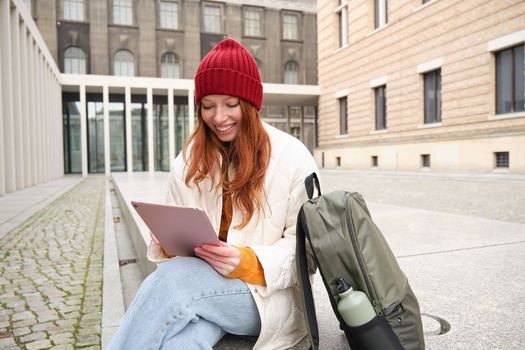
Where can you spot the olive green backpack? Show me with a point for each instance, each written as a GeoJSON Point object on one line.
{"type": "Point", "coordinates": [345, 243]}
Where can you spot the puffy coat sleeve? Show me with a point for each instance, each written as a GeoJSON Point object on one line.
{"type": "Point", "coordinates": [278, 259]}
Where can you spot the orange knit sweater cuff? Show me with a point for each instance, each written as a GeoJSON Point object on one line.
{"type": "Point", "coordinates": [250, 269]}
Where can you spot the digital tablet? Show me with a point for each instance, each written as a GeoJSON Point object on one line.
{"type": "Point", "coordinates": [177, 229]}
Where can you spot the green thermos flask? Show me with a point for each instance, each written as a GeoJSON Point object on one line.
{"type": "Point", "coordinates": [353, 305]}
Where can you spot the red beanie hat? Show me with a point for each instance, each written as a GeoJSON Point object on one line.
{"type": "Point", "coordinates": [229, 69]}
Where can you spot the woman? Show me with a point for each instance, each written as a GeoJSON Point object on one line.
{"type": "Point", "coordinates": [249, 178]}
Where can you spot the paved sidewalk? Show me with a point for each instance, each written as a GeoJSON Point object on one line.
{"type": "Point", "coordinates": [51, 274]}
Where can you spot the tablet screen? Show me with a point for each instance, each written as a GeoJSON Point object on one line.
{"type": "Point", "coordinates": [177, 229]}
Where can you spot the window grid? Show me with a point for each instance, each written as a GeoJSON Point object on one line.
{"type": "Point", "coordinates": [291, 73]}
{"type": "Point", "coordinates": [342, 14]}
{"type": "Point", "coordinates": [380, 107]}
{"type": "Point", "coordinates": [169, 66]}
{"type": "Point", "coordinates": [123, 12]}
{"type": "Point", "coordinates": [169, 15]}
{"type": "Point", "coordinates": [510, 80]}
{"type": "Point", "coordinates": [74, 10]}
{"type": "Point", "coordinates": [290, 27]}
{"type": "Point", "coordinates": [381, 13]}
{"type": "Point", "coordinates": [295, 131]}
{"type": "Point", "coordinates": [343, 116]}
{"type": "Point", "coordinates": [74, 60]}
{"type": "Point", "coordinates": [502, 159]}
{"type": "Point", "coordinates": [252, 23]}
{"type": "Point", "coordinates": [432, 82]}
{"type": "Point", "coordinates": [212, 19]}
{"type": "Point", "coordinates": [124, 64]}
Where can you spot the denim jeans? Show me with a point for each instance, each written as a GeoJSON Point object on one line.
{"type": "Point", "coordinates": [186, 304]}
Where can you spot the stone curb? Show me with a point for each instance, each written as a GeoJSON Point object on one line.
{"type": "Point", "coordinates": [112, 299]}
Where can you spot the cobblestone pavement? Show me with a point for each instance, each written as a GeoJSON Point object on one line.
{"type": "Point", "coordinates": [51, 274]}
{"type": "Point", "coordinates": [491, 196]}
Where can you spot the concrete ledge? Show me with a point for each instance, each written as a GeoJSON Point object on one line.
{"type": "Point", "coordinates": [112, 300]}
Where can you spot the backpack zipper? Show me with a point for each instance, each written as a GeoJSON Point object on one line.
{"type": "Point", "coordinates": [360, 259]}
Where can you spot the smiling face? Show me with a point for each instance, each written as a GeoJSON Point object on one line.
{"type": "Point", "coordinates": [223, 115]}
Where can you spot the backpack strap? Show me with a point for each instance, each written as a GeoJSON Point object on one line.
{"type": "Point", "coordinates": [309, 183]}
{"type": "Point", "coordinates": [304, 280]}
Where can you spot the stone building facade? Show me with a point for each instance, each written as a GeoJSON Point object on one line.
{"type": "Point", "coordinates": [168, 38]}
{"type": "Point", "coordinates": [422, 84]}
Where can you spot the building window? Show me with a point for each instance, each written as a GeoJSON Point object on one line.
{"type": "Point", "coordinates": [169, 15]}
{"type": "Point", "coordinates": [342, 15]}
{"type": "Point", "coordinates": [123, 12]}
{"type": "Point", "coordinates": [343, 116]}
{"type": "Point", "coordinates": [252, 22]}
{"type": "Point", "coordinates": [74, 60]}
{"type": "Point", "coordinates": [381, 13]}
{"type": "Point", "coordinates": [169, 66]}
{"type": "Point", "coordinates": [425, 160]}
{"type": "Point", "coordinates": [212, 19]}
{"type": "Point", "coordinates": [510, 80]}
{"type": "Point", "coordinates": [432, 96]}
{"type": "Point", "coordinates": [380, 97]}
{"type": "Point", "coordinates": [290, 27]}
{"type": "Point", "coordinates": [291, 72]}
{"type": "Point", "coordinates": [426, 1]}
{"type": "Point", "coordinates": [337, 161]}
{"type": "Point", "coordinates": [74, 10]}
{"type": "Point", "coordinates": [374, 162]}
{"type": "Point", "coordinates": [501, 159]}
{"type": "Point", "coordinates": [295, 131]}
{"type": "Point", "coordinates": [124, 64]}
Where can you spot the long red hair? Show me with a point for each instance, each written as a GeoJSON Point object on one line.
{"type": "Point", "coordinates": [248, 155]}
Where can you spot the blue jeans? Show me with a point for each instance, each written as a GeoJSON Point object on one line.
{"type": "Point", "coordinates": [186, 304]}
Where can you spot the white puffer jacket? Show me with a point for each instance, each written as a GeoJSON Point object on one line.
{"type": "Point", "coordinates": [271, 234]}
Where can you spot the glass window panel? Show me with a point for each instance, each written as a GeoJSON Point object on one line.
{"type": "Point", "coordinates": [380, 97]}
{"type": "Point", "coordinates": [169, 15]}
{"type": "Point", "coordinates": [74, 60]}
{"type": "Point", "coordinates": [74, 10]}
{"type": "Point", "coordinates": [519, 81]}
{"type": "Point", "coordinates": [124, 64]}
{"type": "Point", "coordinates": [139, 136]}
{"type": "Point", "coordinates": [181, 126]}
{"type": "Point", "coordinates": [290, 27]}
{"type": "Point", "coordinates": [504, 81]}
{"type": "Point", "coordinates": [252, 23]}
{"type": "Point", "coordinates": [430, 93]}
{"type": "Point", "coordinates": [161, 145]}
{"type": "Point", "coordinates": [169, 66]}
{"type": "Point", "coordinates": [117, 139]}
{"type": "Point", "coordinates": [343, 116]}
{"type": "Point", "coordinates": [380, 13]}
{"type": "Point", "coordinates": [438, 95]}
{"type": "Point", "coordinates": [123, 12]}
{"type": "Point", "coordinates": [291, 72]}
{"type": "Point", "coordinates": [95, 137]}
{"type": "Point", "coordinates": [212, 19]}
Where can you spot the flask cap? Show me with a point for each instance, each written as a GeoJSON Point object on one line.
{"type": "Point", "coordinates": [341, 285]}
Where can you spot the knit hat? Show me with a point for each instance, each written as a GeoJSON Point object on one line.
{"type": "Point", "coordinates": [229, 69]}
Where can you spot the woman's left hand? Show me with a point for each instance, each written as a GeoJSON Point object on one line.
{"type": "Point", "coordinates": [223, 257]}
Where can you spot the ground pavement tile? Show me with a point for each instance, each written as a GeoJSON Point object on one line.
{"type": "Point", "coordinates": [51, 268]}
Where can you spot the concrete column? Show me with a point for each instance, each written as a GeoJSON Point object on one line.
{"type": "Point", "coordinates": [38, 116]}
{"type": "Point", "coordinates": [41, 120]}
{"type": "Point", "coordinates": [47, 122]}
{"type": "Point", "coordinates": [83, 131]}
{"type": "Point", "coordinates": [171, 126]}
{"type": "Point", "coordinates": [7, 94]}
{"type": "Point", "coordinates": [107, 158]}
{"type": "Point", "coordinates": [129, 136]}
{"type": "Point", "coordinates": [151, 153]}
{"type": "Point", "coordinates": [33, 110]}
{"type": "Point", "coordinates": [17, 99]}
{"type": "Point", "coordinates": [191, 110]}
{"type": "Point", "coordinates": [25, 105]}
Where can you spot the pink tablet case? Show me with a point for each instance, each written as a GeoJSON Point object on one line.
{"type": "Point", "coordinates": [177, 229]}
